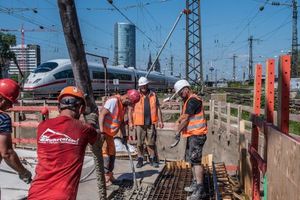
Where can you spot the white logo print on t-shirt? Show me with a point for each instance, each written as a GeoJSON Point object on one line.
{"type": "Point", "coordinates": [53, 137]}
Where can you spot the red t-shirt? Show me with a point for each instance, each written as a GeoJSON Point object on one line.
{"type": "Point", "coordinates": [61, 144]}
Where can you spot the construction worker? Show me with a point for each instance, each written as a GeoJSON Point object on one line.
{"type": "Point", "coordinates": [111, 120]}
{"type": "Point", "coordinates": [61, 144]}
{"type": "Point", "coordinates": [146, 115]}
{"type": "Point", "coordinates": [9, 92]}
{"type": "Point", "coordinates": [192, 125]}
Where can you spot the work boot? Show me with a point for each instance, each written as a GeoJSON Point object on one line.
{"type": "Point", "coordinates": [139, 163]}
{"type": "Point", "coordinates": [199, 193]}
{"type": "Point", "coordinates": [192, 187]}
{"type": "Point", "coordinates": [153, 162]}
{"type": "Point", "coordinates": [109, 179]}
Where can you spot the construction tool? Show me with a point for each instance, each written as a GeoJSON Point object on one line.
{"type": "Point", "coordinates": [132, 166]}
{"type": "Point", "coordinates": [177, 138]}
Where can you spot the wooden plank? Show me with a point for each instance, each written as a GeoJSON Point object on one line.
{"type": "Point", "coordinates": [283, 166]}
{"type": "Point", "coordinates": [228, 126]}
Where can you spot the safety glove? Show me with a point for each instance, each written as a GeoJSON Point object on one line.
{"type": "Point", "coordinates": [26, 176]}
{"type": "Point", "coordinates": [124, 140]}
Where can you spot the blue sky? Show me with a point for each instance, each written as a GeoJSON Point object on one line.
{"type": "Point", "coordinates": [226, 27]}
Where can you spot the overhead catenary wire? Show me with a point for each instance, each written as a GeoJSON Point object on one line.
{"type": "Point", "coordinates": [168, 37]}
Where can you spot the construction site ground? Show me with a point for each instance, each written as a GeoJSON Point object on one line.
{"type": "Point", "coordinates": [166, 182]}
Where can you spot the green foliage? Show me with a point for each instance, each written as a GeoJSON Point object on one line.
{"type": "Point", "coordinates": [294, 127]}
{"type": "Point", "coordinates": [6, 40]}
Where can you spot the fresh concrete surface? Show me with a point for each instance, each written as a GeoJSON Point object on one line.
{"type": "Point", "coordinates": [12, 188]}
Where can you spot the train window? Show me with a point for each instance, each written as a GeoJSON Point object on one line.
{"type": "Point", "coordinates": [98, 75]}
{"type": "Point", "coordinates": [64, 74]}
{"type": "Point", "coordinates": [126, 77]}
{"type": "Point", "coordinates": [45, 67]}
{"type": "Point", "coordinates": [111, 76]}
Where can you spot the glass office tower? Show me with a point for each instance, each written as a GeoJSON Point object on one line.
{"type": "Point", "coordinates": [124, 49]}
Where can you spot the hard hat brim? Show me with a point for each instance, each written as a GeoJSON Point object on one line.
{"type": "Point", "coordinates": [144, 84]}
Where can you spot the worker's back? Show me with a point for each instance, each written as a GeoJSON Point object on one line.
{"type": "Point", "coordinates": [61, 147]}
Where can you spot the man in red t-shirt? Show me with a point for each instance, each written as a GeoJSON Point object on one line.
{"type": "Point", "coordinates": [61, 144]}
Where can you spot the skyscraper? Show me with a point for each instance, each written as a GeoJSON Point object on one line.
{"type": "Point", "coordinates": [28, 58]}
{"type": "Point", "coordinates": [124, 49]}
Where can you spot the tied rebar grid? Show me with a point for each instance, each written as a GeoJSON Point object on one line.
{"type": "Point", "coordinates": [174, 178]}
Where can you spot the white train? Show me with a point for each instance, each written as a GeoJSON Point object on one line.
{"type": "Point", "coordinates": [49, 78]}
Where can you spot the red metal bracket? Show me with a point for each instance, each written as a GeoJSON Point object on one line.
{"type": "Point", "coordinates": [284, 93]}
{"type": "Point", "coordinates": [255, 132]}
{"type": "Point", "coordinates": [269, 100]}
{"type": "Point", "coordinates": [262, 165]}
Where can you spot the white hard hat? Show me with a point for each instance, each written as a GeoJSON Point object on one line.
{"type": "Point", "coordinates": [179, 85]}
{"type": "Point", "coordinates": [143, 81]}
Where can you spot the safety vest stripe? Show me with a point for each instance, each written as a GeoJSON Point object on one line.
{"type": "Point", "coordinates": [196, 126]}
{"type": "Point", "coordinates": [196, 117]}
{"type": "Point", "coordinates": [110, 126]}
{"type": "Point", "coordinates": [108, 117]}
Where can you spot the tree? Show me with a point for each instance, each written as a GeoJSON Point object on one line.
{"type": "Point", "coordinates": [6, 55]}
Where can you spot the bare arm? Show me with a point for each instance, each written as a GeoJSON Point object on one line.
{"type": "Point", "coordinates": [123, 129]}
{"type": "Point", "coordinates": [160, 118]}
{"type": "Point", "coordinates": [9, 155]}
{"type": "Point", "coordinates": [130, 117]}
{"type": "Point", "coordinates": [103, 112]}
{"type": "Point", "coordinates": [181, 122]}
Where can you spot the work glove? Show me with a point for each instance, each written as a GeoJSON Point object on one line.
{"type": "Point", "coordinates": [26, 176]}
{"type": "Point", "coordinates": [177, 136]}
{"type": "Point", "coordinates": [92, 119]}
{"type": "Point", "coordinates": [124, 140]}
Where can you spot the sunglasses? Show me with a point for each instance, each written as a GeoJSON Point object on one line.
{"type": "Point", "coordinates": [70, 101]}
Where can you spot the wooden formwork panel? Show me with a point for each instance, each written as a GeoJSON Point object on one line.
{"type": "Point", "coordinates": [283, 166]}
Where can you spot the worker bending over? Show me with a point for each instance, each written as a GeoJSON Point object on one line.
{"type": "Point", "coordinates": [111, 120]}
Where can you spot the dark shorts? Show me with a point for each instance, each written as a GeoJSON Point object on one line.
{"type": "Point", "coordinates": [194, 146]}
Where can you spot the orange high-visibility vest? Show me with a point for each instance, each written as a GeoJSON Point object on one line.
{"type": "Point", "coordinates": [138, 113]}
{"type": "Point", "coordinates": [113, 121]}
{"type": "Point", "coordinates": [197, 123]}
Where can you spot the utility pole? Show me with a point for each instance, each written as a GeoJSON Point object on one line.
{"type": "Point", "coordinates": [295, 71]}
{"type": "Point", "coordinates": [234, 67]}
{"type": "Point", "coordinates": [171, 65]}
{"type": "Point", "coordinates": [69, 19]}
{"type": "Point", "coordinates": [250, 66]}
{"type": "Point", "coordinates": [216, 78]}
{"type": "Point", "coordinates": [193, 43]}
{"type": "Point", "coordinates": [250, 58]}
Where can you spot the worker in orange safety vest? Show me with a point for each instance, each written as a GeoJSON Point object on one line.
{"type": "Point", "coordinates": [145, 116]}
{"type": "Point", "coordinates": [111, 120]}
{"type": "Point", "coordinates": [193, 126]}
